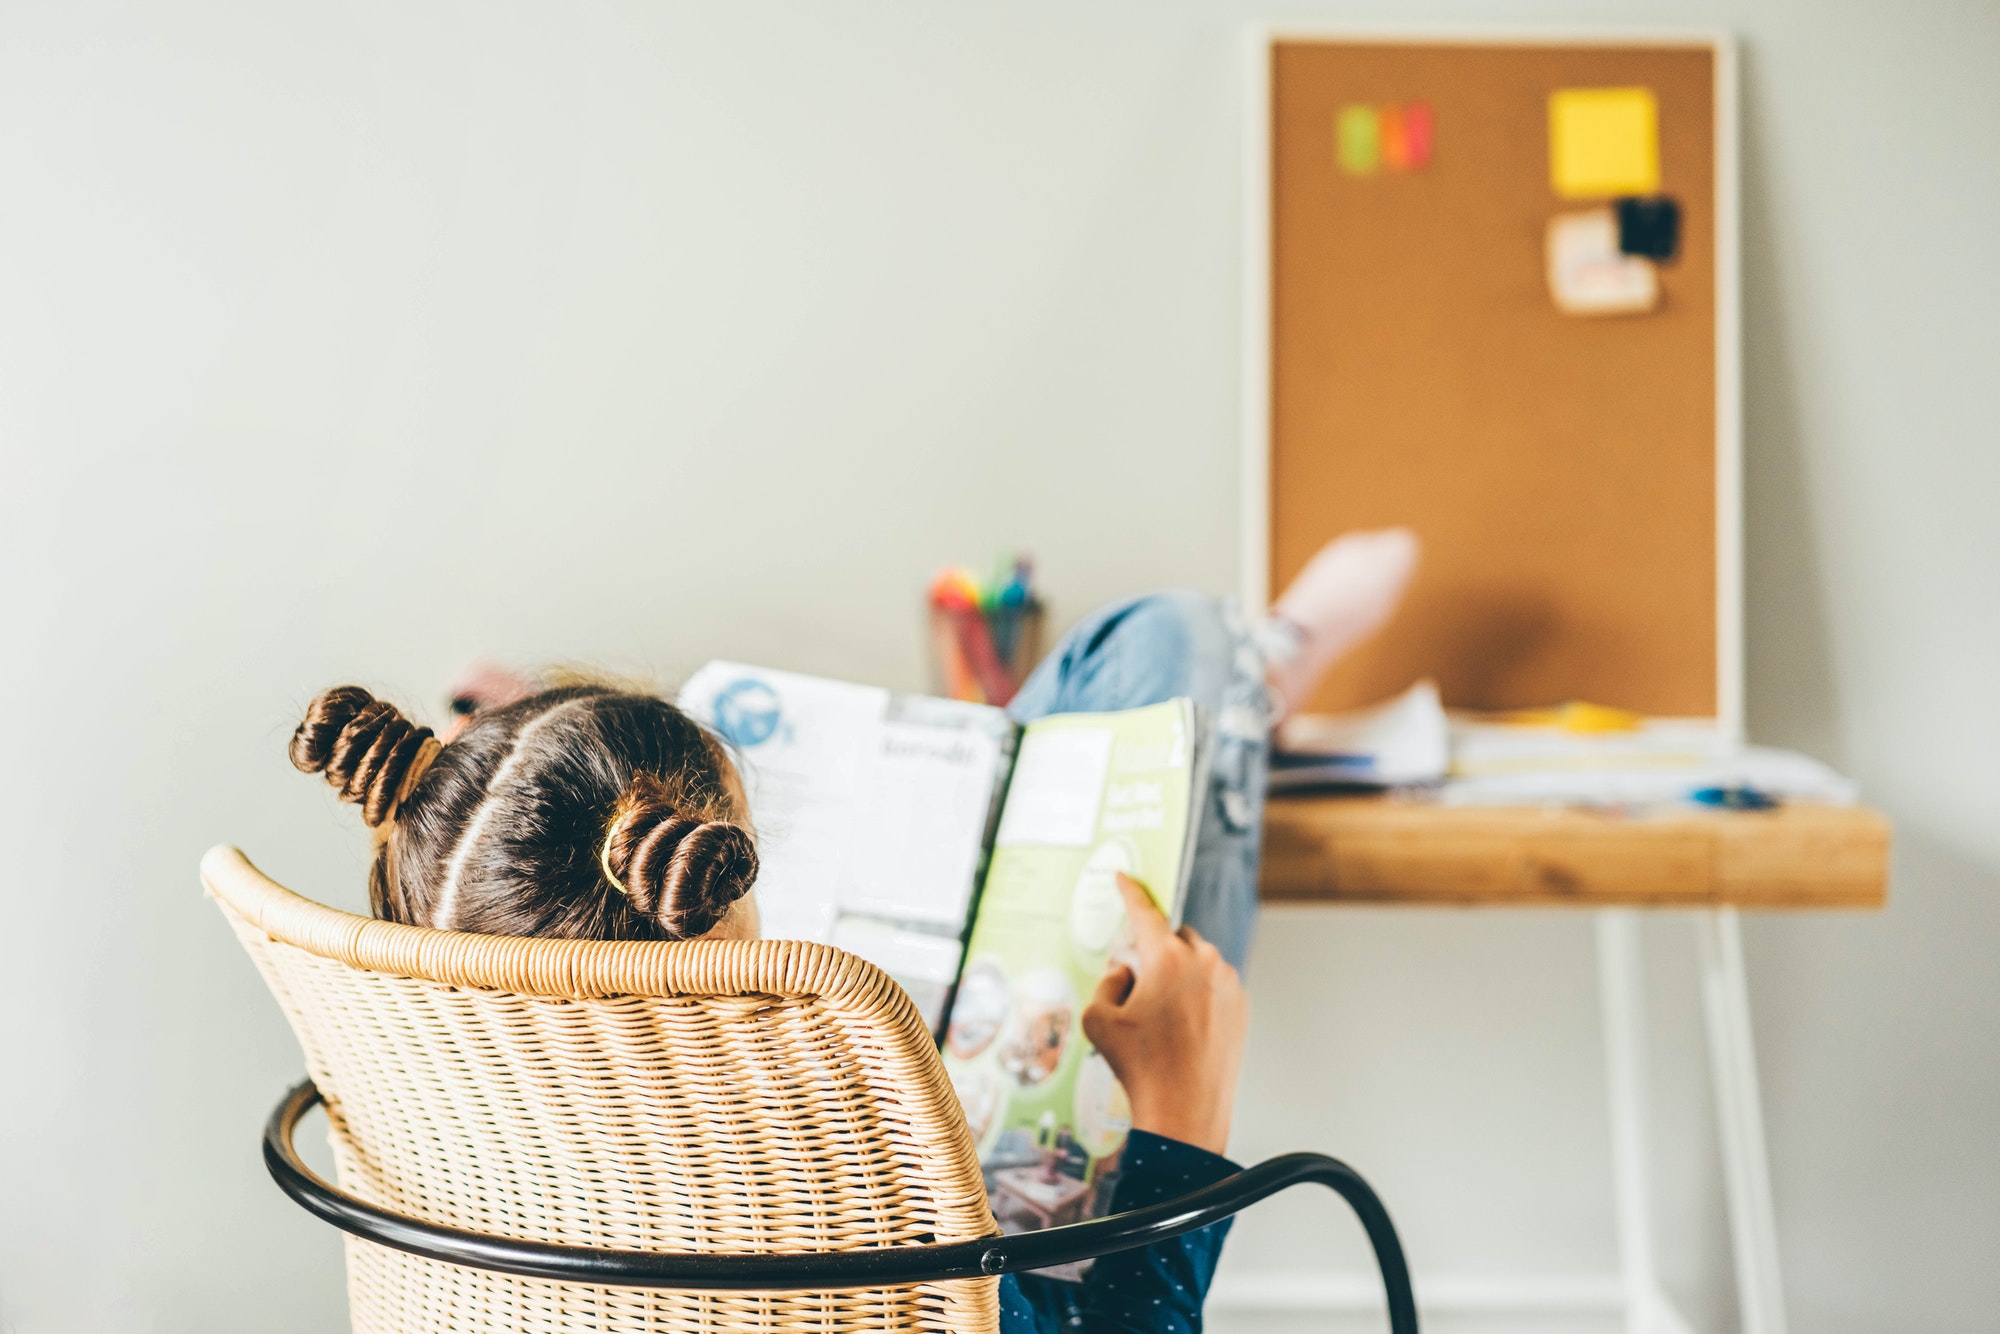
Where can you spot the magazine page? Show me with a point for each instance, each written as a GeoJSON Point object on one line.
{"type": "Point", "coordinates": [871, 809]}
{"type": "Point", "coordinates": [1091, 795]}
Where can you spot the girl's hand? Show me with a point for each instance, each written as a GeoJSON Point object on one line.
{"type": "Point", "coordinates": [1170, 1021]}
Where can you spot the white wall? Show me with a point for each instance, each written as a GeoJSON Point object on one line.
{"type": "Point", "coordinates": [348, 341]}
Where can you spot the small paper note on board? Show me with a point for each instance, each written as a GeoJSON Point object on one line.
{"type": "Point", "coordinates": [1604, 142]}
{"type": "Point", "coordinates": [1588, 275]}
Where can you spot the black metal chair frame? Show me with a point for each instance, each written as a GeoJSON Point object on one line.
{"type": "Point", "coordinates": [877, 1266]}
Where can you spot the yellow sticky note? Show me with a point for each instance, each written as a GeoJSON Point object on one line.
{"type": "Point", "coordinates": [1604, 142]}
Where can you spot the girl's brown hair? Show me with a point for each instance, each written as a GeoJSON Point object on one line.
{"type": "Point", "coordinates": [582, 812]}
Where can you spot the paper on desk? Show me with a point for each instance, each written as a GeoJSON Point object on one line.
{"type": "Point", "coordinates": [1404, 741]}
{"type": "Point", "coordinates": [1662, 761]}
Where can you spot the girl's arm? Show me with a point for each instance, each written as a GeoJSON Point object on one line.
{"type": "Point", "coordinates": [1170, 1021]}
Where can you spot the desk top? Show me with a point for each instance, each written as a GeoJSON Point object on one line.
{"type": "Point", "coordinates": [1320, 849]}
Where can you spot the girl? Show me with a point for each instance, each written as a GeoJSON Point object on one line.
{"type": "Point", "coordinates": [589, 812]}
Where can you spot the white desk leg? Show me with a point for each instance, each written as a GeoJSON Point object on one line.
{"type": "Point", "coordinates": [1621, 980]}
{"type": "Point", "coordinates": [1753, 1223]}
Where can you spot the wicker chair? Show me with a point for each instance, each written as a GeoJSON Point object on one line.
{"type": "Point", "coordinates": [556, 1136]}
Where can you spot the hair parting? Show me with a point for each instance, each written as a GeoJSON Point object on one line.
{"type": "Point", "coordinates": [482, 817]}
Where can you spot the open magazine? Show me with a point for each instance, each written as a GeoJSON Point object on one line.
{"type": "Point", "coordinates": [975, 861]}
{"type": "Point", "coordinates": [1093, 794]}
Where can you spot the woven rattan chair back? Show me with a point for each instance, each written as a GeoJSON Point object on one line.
{"type": "Point", "coordinates": [722, 1096]}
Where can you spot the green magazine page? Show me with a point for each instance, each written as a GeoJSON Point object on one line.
{"type": "Point", "coordinates": [1092, 794]}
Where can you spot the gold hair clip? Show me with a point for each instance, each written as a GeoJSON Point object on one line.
{"type": "Point", "coordinates": [604, 864]}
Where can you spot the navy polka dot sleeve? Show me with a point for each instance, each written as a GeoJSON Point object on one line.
{"type": "Point", "coordinates": [1156, 1289]}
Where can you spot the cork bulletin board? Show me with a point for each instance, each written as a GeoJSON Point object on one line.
{"type": "Point", "coordinates": [1572, 477]}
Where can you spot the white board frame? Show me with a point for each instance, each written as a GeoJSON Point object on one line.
{"type": "Point", "coordinates": [1256, 369]}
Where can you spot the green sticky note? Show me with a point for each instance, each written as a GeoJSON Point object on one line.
{"type": "Point", "coordinates": [1604, 142]}
{"type": "Point", "coordinates": [1358, 136]}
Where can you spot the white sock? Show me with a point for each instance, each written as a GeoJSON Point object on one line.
{"type": "Point", "coordinates": [1344, 594]}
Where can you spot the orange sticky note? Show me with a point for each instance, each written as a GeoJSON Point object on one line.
{"type": "Point", "coordinates": [1389, 129]}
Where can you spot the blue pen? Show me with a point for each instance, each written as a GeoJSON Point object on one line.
{"type": "Point", "coordinates": [1738, 797]}
{"type": "Point", "coordinates": [1008, 605]}
{"type": "Point", "coordinates": [1017, 587]}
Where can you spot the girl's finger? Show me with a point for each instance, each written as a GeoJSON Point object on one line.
{"type": "Point", "coordinates": [1115, 986]}
{"type": "Point", "coordinates": [1149, 925]}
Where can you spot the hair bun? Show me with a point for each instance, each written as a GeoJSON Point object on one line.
{"type": "Point", "coordinates": [367, 749]}
{"type": "Point", "coordinates": [680, 870]}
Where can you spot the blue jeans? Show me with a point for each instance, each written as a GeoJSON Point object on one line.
{"type": "Point", "coordinates": [1154, 648]}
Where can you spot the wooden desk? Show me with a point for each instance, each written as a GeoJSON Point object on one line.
{"type": "Point", "coordinates": [1378, 850]}
{"type": "Point", "coordinates": [1383, 850]}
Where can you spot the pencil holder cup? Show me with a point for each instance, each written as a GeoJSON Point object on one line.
{"type": "Point", "coordinates": [984, 654]}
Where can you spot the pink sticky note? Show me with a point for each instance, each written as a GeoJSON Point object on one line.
{"type": "Point", "coordinates": [1416, 126]}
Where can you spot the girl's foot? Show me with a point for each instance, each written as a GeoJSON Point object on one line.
{"type": "Point", "coordinates": [1345, 593]}
{"type": "Point", "coordinates": [482, 686]}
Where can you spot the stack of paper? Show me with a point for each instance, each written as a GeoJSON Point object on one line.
{"type": "Point", "coordinates": [1659, 761]}
{"type": "Point", "coordinates": [1403, 742]}
{"type": "Point", "coordinates": [1581, 755]}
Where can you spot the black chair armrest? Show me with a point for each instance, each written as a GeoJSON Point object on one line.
{"type": "Point", "coordinates": [875, 1266]}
